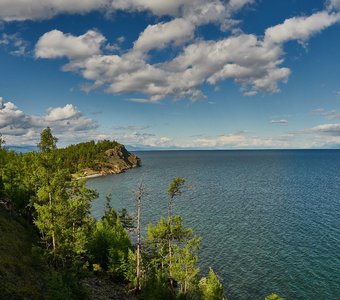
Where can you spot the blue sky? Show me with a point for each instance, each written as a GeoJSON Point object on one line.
{"type": "Point", "coordinates": [237, 74]}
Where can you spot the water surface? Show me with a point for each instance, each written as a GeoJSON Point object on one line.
{"type": "Point", "coordinates": [270, 220]}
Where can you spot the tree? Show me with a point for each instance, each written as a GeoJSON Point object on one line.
{"type": "Point", "coordinates": [184, 244]}
{"type": "Point", "coordinates": [48, 142]}
{"type": "Point", "coordinates": [172, 246]}
{"type": "Point", "coordinates": [62, 208]}
{"type": "Point", "coordinates": [211, 288]}
{"type": "Point", "coordinates": [109, 245]}
{"type": "Point", "coordinates": [175, 189]}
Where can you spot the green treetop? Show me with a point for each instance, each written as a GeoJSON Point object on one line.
{"type": "Point", "coordinates": [48, 142]}
{"type": "Point", "coordinates": [211, 288]}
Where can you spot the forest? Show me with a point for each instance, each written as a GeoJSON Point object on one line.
{"type": "Point", "coordinates": [70, 251]}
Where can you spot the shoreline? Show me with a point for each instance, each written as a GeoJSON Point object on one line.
{"type": "Point", "coordinates": [93, 176]}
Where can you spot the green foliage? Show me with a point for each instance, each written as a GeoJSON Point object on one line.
{"type": "Point", "coordinates": [109, 246]}
{"type": "Point", "coordinates": [126, 220]}
{"type": "Point", "coordinates": [175, 187]}
{"type": "Point", "coordinates": [184, 246]}
{"type": "Point", "coordinates": [62, 207]}
{"type": "Point", "coordinates": [23, 270]}
{"type": "Point", "coordinates": [85, 155]}
{"type": "Point", "coordinates": [41, 186]}
{"type": "Point", "coordinates": [155, 286]}
{"type": "Point", "coordinates": [65, 285]}
{"type": "Point", "coordinates": [56, 288]}
{"type": "Point", "coordinates": [211, 288]}
{"type": "Point", "coordinates": [184, 265]}
{"type": "Point", "coordinates": [273, 297]}
{"type": "Point", "coordinates": [47, 141]}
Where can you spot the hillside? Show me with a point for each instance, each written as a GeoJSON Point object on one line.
{"type": "Point", "coordinates": [22, 271]}
{"type": "Point", "coordinates": [97, 158]}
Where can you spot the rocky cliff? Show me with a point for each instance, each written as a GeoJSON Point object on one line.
{"type": "Point", "coordinates": [114, 161]}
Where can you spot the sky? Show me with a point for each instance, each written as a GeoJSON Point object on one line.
{"type": "Point", "coordinates": [180, 74]}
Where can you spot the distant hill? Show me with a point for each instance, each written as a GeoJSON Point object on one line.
{"type": "Point", "coordinates": [90, 158]}
{"type": "Point", "coordinates": [96, 158]}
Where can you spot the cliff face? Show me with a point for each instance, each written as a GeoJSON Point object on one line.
{"type": "Point", "coordinates": [114, 161]}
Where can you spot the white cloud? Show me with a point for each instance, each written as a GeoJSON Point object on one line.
{"type": "Point", "coordinates": [159, 35]}
{"type": "Point", "coordinates": [253, 62]}
{"type": "Point", "coordinates": [19, 10]}
{"type": "Point", "coordinates": [70, 125]}
{"type": "Point", "coordinates": [282, 121]}
{"type": "Point", "coordinates": [156, 7]}
{"type": "Point", "coordinates": [243, 58]}
{"type": "Point", "coordinates": [55, 43]}
{"type": "Point", "coordinates": [300, 28]}
{"type": "Point", "coordinates": [334, 4]}
{"type": "Point", "coordinates": [328, 129]}
{"type": "Point", "coordinates": [21, 128]}
{"type": "Point", "coordinates": [62, 113]}
{"type": "Point", "coordinates": [330, 115]}
{"type": "Point", "coordinates": [141, 100]}
{"type": "Point", "coordinates": [238, 4]}
{"type": "Point", "coordinates": [240, 140]}
{"type": "Point", "coordinates": [14, 43]}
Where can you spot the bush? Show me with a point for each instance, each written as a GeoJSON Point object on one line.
{"type": "Point", "coordinates": [109, 247]}
{"type": "Point", "coordinates": [156, 286]}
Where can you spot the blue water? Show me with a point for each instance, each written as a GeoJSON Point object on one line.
{"type": "Point", "coordinates": [270, 220]}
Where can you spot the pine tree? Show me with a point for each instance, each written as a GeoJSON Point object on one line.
{"type": "Point", "coordinates": [211, 288]}
{"type": "Point", "coordinates": [62, 205]}
{"type": "Point", "coordinates": [48, 142]}
{"type": "Point", "coordinates": [175, 189]}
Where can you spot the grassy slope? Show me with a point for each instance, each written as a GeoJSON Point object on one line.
{"type": "Point", "coordinates": [22, 273]}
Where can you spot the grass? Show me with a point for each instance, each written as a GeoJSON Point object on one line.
{"type": "Point", "coordinates": [23, 273]}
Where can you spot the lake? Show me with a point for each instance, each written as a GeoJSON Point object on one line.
{"type": "Point", "coordinates": [269, 220]}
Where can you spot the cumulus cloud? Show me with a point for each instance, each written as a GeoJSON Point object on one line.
{"type": "Point", "coordinates": [159, 35]}
{"type": "Point", "coordinates": [328, 129]}
{"type": "Point", "coordinates": [243, 58]}
{"type": "Point", "coordinates": [70, 125]}
{"type": "Point", "coordinates": [21, 128]}
{"type": "Point", "coordinates": [62, 113]}
{"type": "Point", "coordinates": [55, 43]}
{"type": "Point", "coordinates": [300, 28]}
{"type": "Point", "coordinates": [255, 63]}
{"type": "Point", "coordinates": [20, 10]}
